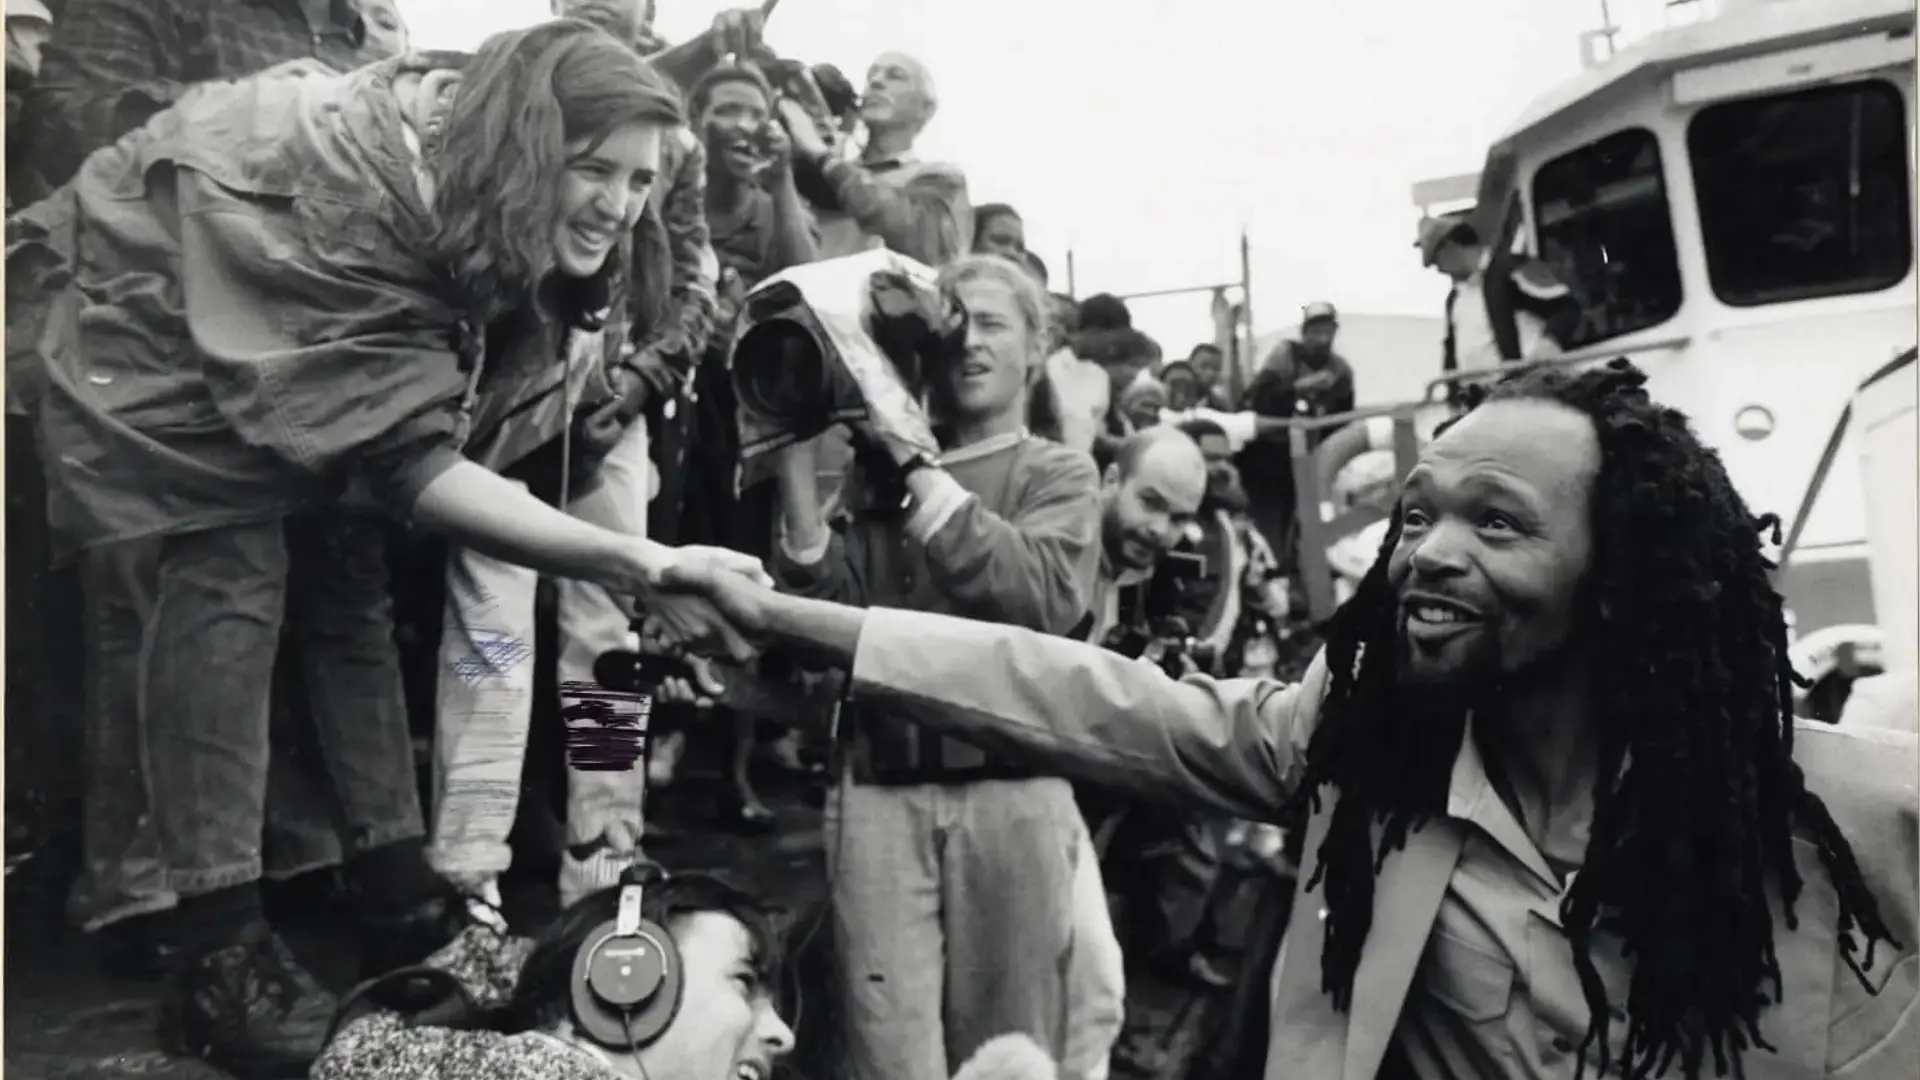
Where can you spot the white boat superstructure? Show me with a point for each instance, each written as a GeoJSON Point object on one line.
{"type": "Point", "coordinates": [1732, 203]}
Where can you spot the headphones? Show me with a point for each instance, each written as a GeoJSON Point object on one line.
{"type": "Point", "coordinates": [627, 979]}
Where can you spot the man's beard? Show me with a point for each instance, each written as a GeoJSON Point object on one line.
{"type": "Point", "coordinates": [1467, 678]}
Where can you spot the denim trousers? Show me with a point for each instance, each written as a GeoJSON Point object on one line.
{"type": "Point", "coordinates": [953, 915]}
{"type": "Point", "coordinates": [484, 701]}
{"type": "Point", "coordinates": [194, 701]}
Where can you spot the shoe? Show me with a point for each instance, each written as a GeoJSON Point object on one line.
{"type": "Point", "coordinates": [589, 868]}
{"type": "Point", "coordinates": [393, 940]}
{"type": "Point", "coordinates": [248, 1008]}
{"type": "Point", "coordinates": [138, 950]}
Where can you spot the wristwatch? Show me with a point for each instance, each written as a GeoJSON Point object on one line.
{"type": "Point", "coordinates": [920, 460]}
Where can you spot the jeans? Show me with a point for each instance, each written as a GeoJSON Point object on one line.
{"type": "Point", "coordinates": [1096, 972]}
{"type": "Point", "coordinates": [341, 767]}
{"type": "Point", "coordinates": [206, 667]}
{"type": "Point", "coordinates": [123, 871]}
{"type": "Point", "coordinates": [485, 698]}
{"type": "Point", "coordinates": [953, 919]}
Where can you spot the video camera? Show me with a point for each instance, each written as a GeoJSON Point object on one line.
{"type": "Point", "coordinates": [856, 339]}
{"type": "Point", "coordinates": [1166, 642]}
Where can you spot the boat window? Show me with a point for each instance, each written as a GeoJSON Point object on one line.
{"type": "Point", "coordinates": [1803, 194]}
{"type": "Point", "coordinates": [1601, 216]}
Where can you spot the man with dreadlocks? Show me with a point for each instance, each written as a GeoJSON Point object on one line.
{"type": "Point", "coordinates": [1561, 821]}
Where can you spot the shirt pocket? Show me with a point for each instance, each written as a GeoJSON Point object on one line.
{"type": "Point", "coordinates": [1468, 979]}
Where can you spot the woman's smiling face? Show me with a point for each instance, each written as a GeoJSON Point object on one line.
{"type": "Point", "coordinates": [603, 189]}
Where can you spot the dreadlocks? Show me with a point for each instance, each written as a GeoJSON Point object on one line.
{"type": "Point", "coordinates": [1700, 795]}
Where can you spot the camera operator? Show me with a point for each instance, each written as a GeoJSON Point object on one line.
{"type": "Point", "coordinates": [1161, 859]}
{"type": "Point", "coordinates": [951, 869]}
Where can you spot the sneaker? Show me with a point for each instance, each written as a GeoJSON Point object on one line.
{"type": "Point", "coordinates": [249, 1008]}
{"type": "Point", "coordinates": [586, 869]}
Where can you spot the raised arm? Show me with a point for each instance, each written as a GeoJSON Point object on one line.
{"type": "Point", "coordinates": [928, 218]}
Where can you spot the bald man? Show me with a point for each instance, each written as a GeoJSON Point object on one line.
{"type": "Point", "coordinates": [889, 198]}
{"type": "Point", "coordinates": [1149, 495]}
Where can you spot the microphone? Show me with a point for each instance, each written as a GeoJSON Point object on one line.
{"type": "Point", "coordinates": [1009, 1057]}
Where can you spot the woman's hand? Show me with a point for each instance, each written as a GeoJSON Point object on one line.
{"type": "Point", "coordinates": [689, 621]}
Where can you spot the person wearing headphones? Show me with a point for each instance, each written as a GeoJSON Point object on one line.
{"type": "Point", "coordinates": [660, 978]}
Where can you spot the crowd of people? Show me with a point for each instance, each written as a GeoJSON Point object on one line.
{"type": "Point", "coordinates": [286, 294]}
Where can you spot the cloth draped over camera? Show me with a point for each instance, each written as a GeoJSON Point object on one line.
{"type": "Point", "coordinates": [843, 341]}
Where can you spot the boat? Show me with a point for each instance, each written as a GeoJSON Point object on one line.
{"type": "Point", "coordinates": [1730, 201]}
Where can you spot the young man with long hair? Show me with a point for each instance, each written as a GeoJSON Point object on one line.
{"type": "Point", "coordinates": [951, 870]}
{"type": "Point", "coordinates": [376, 287]}
{"type": "Point", "coordinates": [1561, 818]}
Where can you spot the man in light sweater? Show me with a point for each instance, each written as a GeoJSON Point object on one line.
{"type": "Point", "coordinates": [951, 869]}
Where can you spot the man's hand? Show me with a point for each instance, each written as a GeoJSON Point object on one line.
{"type": "Point", "coordinates": [777, 145]}
{"type": "Point", "coordinates": [828, 634]}
{"type": "Point", "coordinates": [742, 600]}
{"type": "Point", "coordinates": [676, 598]}
{"type": "Point", "coordinates": [804, 133]}
{"type": "Point", "coordinates": [738, 33]}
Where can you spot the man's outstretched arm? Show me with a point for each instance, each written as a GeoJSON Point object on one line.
{"type": "Point", "coordinates": [1236, 747]}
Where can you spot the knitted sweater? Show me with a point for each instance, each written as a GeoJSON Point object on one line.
{"type": "Point", "coordinates": [382, 1045]}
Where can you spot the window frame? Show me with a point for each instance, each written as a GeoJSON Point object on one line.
{"type": "Point", "coordinates": [1854, 286]}
{"type": "Point", "coordinates": [1537, 224]}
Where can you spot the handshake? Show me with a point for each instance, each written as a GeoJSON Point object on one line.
{"type": "Point", "coordinates": [705, 601]}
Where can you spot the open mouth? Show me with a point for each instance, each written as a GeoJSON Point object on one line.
{"type": "Point", "coordinates": [593, 239]}
{"type": "Point", "coordinates": [751, 1070]}
{"type": "Point", "coordinates": [1427, 610]}
{"type": "Point", "coordinates": [974, 371]}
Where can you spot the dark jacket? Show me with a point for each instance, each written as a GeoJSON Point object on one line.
{"type": "Point", "coordinates": [237, 318]}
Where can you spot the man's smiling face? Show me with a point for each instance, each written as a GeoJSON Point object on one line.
{"type": "Point", "coordinates": [1495, 544]}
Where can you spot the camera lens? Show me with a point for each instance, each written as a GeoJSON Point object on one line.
{"type": "Point", "coordinates": [779, 372]}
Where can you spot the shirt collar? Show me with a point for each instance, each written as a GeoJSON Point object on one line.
{"type": "Point", "coordinates": [1472, 800]}
{"type": "Point", "coordinates": [984, 448]}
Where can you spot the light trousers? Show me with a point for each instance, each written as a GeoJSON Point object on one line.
{"type": "Point", "coordinates": [484, 702]}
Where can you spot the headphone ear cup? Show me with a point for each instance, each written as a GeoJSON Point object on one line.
{"type": "Point", "coordinates": [626, 991]}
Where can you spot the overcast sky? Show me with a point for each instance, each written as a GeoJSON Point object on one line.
{"type": "Point", "coordinates": [1145, 133]}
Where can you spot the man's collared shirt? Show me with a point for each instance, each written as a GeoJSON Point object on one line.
{"type": "Point", "coordinates": [1496, 996]}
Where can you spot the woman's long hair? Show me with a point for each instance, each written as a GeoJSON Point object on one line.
{"type": "Point", "coordinates": [497, 167]}
{"type": "Point", "coordinates": [1692, 842]}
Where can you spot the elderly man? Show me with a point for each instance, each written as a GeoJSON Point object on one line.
{"type": "Point", "coordinates": [1561, 818]}
{"type": "Point", "coordinates": [889, 198]}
